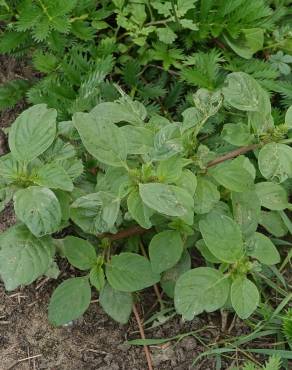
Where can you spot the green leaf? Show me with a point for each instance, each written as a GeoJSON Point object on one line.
{"type": "Point", "coordinates": [166, 35]}
{"type": "Point", "coordinates": [95, 213]}
{"type": "Point", "coordinates": [53, 175]}
{"type": "Point", "coordinates": [126, 110]}
{"type": "Point", "coordinates": [205, 252]}
{"type": "Point", "coordinates": [169, 200]}
{"type": "Point", "coordinates": [32, 133]}
{"type": "Point", "coordinates": [165, 250]}
{"type": "Point", "coordinates": [129, 272]}
{"type": "Point", "coordinates": [246, 211]}
{"type": "Point", "coordinates": [23, 257]}
{"type": "Point", "coordinates": [198, 290]}
{"type": "Point", "coordinates": [275, 162]}
{"type": "Point", "coordinates": [97, 278]}
{"type": "Point", "coordinates": [206, 196]}
{"type": "Point", "coordinates": [169, 277]}
{"type": "Point", "coordinates": [167, 142]}
{"type": "Point", "coordinates": [187, 181]}
{"type": "Point", "coordinates": [138, 210]}
{"type": "Point", "coordinates": [260, 247]}
{"type": "Point", "coordinates": [237, 134]}
{"type": "Point", "coordinates": [39, 208]}
{"type": "Point", "coordinates": [191, 117]}
{"type": "Point", "coordinates": [273, 223]}
{"type": "Point", "coordinates": [79, 252]}
{"type": "Point", "coordinates": [244, 297]}
{"type": "Point", "coordinates": [102, 139]}
{"type": "Point", "coordinates": [118, 305]}
{"type": "Point", "coordinates": [140, 140]}
{"type": "Point", "coordinates": [241, 91]}
{"type": "Point", "coordinates": [249, 42]}
{"type": "Point", "coordinates": [169, 170]}
{"type": "Point", "coordinates": [11, 170]}
{"type": "Point", "coordinates": [222, 236]}
{"type": "Point", "coordinates": [272, 196]}
{"type": "Point", "coordinates": [288, 117]}
{"type": "Point", "coordinates": [232, 176]}
{"type": "Point", "coordinates": [69, 301]}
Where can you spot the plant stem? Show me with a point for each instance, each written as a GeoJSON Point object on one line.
{"type": "Point", "coordinates": [141, 330]}
{"type": "Point", "coordinates": [232, 154]}
{"type": "Point", "coordinates": [126, 233]}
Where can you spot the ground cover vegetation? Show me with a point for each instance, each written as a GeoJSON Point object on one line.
{"type": "Point", "coordinates": [156, 152]}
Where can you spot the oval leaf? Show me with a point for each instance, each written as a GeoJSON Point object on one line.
{"type": "Point", "coordinates": [23, 257]}
{"type": "Point", "coordinates": [118, 305]}
{"type": "Point", "coordinates": [79, 252]}
{"type": "Point", "coordinates": [32, 132]}
{"type": "Point", "coordinates": [198, 290]}
{"type": "Point", "coordinates": [261, 247]}
{"type": "Point", "coordinates": [222, 237]}
{"type": "Point", "coordinates": [69, 301]}
{"type": "Point", "coordinates": [39, 209]}
{"type": "Point", "coordinates": [165, 250]}
{"type": "Point", "coordinates": [129, 272]}
{"type": "Point", "coordinates": [244, 297]}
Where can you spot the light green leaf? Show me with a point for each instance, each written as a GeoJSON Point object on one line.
{"type": "Point", "coordinates": [273, 223]}
{"type": "Point", "coordinates": [118, 305]}
{"type": "Point", "coordinates": [6, 195]}
{"type": "Point", "coordinates": [205, 252]}
{"type": "Point", "coordinates": [11, 170]}
{"type": "Point", "coordinates": [166, 35]}
{"type": "Point", "coordinates": [246, 211]}
{"type": "Point", "coordinates": [241, 91]}
{"type": "Point", "coordinates": [206, 196]}
{"type": "Point", "coordinates": [249, 42]}
{"type": "Point", "coordinates": [261, 247]}
{"type": "Point", "coordinates": [288, 117]}
{"type": "Point", "coordinates": [140, 140]}
{"type": "Point", "coordinates": [39, 208]}
{"type": "Point", "coordinates": [165, 250]}
{"type": "Point", "coordinates": [97, 278]}
{"type": "Point", "coordinates": [23, 257]}
{"type": "Point", "coordinates": [244, 297]}
{"type": "Point", "coordinates": [237, 134]}
{"type": "Point", "coordinates": [169, 170]}
{"type": "Point", "coordinates": [138, 210]}
{"type": "Point", "coordinates": [95, 213]}
{"type": "Point", "coordinates": [222, 236]}
{"type": "Point", "coordinates": [198, 290]}
{"type": "Point", "coordinates": [167, 142]}
{"type": "Point", "coordinates": [232, 176]}
{"type": "Point", "coordinates": [32, 133]}
{"type": "Point", "coordinates": [128, 111]}
{"type": "Point", "coordinates": [275, 162]}
{"type": "Point", "coordinates": [79, 252]}
{"type": "Point", "coordinates": [272, 196]}
{"type": "Point", "coordinates": [129, 272]}
{"type": "Point", "coordinates": [169, 200]}
{"type": "Point", "coordinates": [187, 181]}
{"type": "Point", "coordinates": [191, 117]}
{"type": "Point", "coordinates": [53, 175]}
{"type": "Point", "coordinates": [102, 139]}
{"type": "Point", "coordinates": [69, 301]}
{"type": "Point", "coordinates": [169, 277]}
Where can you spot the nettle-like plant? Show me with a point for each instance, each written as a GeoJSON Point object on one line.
{"type": "Point", "coordinates": [170, 190]}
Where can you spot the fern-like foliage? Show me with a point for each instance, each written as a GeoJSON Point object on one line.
{"type": "Point", "coordinates": [205, 69]}
{"type": "Point", "coordinates": [12, 92]}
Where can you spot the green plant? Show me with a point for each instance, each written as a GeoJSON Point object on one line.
{"type": "Point", "coordinates": [119, 172]}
